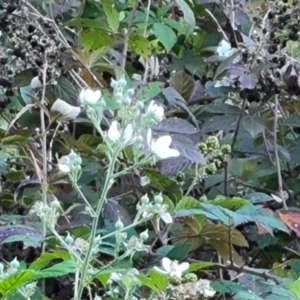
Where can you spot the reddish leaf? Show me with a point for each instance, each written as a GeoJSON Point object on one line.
{"type": "Point", "coordinates": [291, 219]}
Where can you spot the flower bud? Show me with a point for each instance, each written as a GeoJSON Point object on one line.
{"type": "Point", "coordinates": [55, 203]}
{"type": "Point", "coordinates": [130, 92]}
{"type": "Point", "coordinates": [145, 199]}
{"type": "Point", "coordinates": [140, 105]}
{"type": "Point", "coordinates": [69, 240]}
{"type": "Point", "coordinates": [122, 82]}
{"type": "Point", "coordinates": [119, 224]}
{"type": "Point", "coordinates": [159, 198]}
{"type": "Point", "coordinates": [126, 101]}
{"type": "Point", "coordinates": [144, 235]}
{"type": "Point", "coordinates": [14, 263]}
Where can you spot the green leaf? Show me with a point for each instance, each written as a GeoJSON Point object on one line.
{"type": "Point", "coordinates": [58, 270]}
{"type": "Point", "coordinates": [140, 45]}
{"type": "Point", "coordinates": [186, 203]}
{"type": "Point", "coordinates": [183, 83]}
{"type": "Point", "coordinates": [180, 252]}
{"type": "Point", "coordinates": [164, 250]}
{"type": "Point", "coordinates": [23, 78]}
{"type": "Point", "coordinates": [292, 121]}
{"type": "Point", "coordinates": [293, 48]}
{"type": "Point", "coordinates": [95, 39]}
{"type": "Point", "coordinates": [159, 280]}
{"type": "Point", "coordinates": [111, 14]}
{"type": "Point", "coordinates": [86, 23]}
{"type": "Point", "coordinates": [15, 281]}
{"type": "Point", "coordinates": [65, 90]}
{"type": "Point", "coordinates": [14, 139]}
{"type": "Point", "coordinates": [162, 183]}
{"type": "Point", "coordinates": [46, 258]}
{"type": "Point", "coordinates": [147, 282]}
{"type": "Point", "coordinates": [150, 91]}
{"type": "Point", "coordinates": [230, 203]}
{"type": "Point", "coordinates": [258, 197]}
{"type": "Point", "coordinates": [295, 287]}
{"type": "Point", "coordinates": [198, 266]}
{"type": "Point", "coordinates": [188, 14]}
{"type": "Point", "coordinates": [253, 124]}
{"type": "Point", "coordinates": [165, 34]}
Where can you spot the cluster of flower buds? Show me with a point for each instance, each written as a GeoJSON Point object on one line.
{"type": "Point", "coordinates": [215, 154]}
{"type": "Point", "coordinates": [156, 209]}
{"type": "Point", "coordinates": [48, 213]}
{"type": "Point", "coordinates": [71, 164]}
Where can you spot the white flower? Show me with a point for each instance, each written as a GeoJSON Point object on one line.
{"type": "Point", "coordinates": [224, 49]}
{"type": "Point", "coordinates": [205, 288]}
{"type": "Point", "coordinates": [81, 245]}
{"type": "Point", "coordinates": [89, 96]}
{"type": "Point", "coordinates": [67, 111]}
{"type": "Point", "coordinates": [172, 268]}
{"type": "Point", "coordinates": [156, 111]}
{"type": "Point", "coordinates": [164, 214]}
{"type": "Point", "coordinates": [160, 211]}
{"type": "Point", "coordinates": [161, 146]}
{"type": "Point", "coordinates": [64, 164]}
{"type": "Point", "coordinates": [114, 132]}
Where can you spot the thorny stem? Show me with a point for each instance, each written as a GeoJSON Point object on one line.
{"type": "Point", "coordinates": [277, 159]}
{"type": "Point", "coordinates": [127, 35]}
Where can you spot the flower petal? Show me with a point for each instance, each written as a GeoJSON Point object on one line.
{"type": "Point", "coordinates": [183, 266]}
{"type": "Point", "coordinates": [166, 217]}
{"type": "Point", "coordinates": [116, 276]}
{"type": "Point", "coordinates": [166, 264]}
{"type": "Point", "coordinates": [160, 147]}
{"type": "Point", "coordinates": [114, 132]}
{"type": "Point", "coordinates": [64, 168]}
{"type": "Point", "coordinates": [65, 109]}
{"type": "Point", "coordinates": [149, 136]}
{"type": "Point", "coordinates": [128, 132]}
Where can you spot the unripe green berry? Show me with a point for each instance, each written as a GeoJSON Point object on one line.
{"type": "Point", "coordinates": [226, 149]}
{"type": "Point", "coordinates": [191, 277]}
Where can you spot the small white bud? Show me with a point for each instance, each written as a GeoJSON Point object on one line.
{"type": "Point", "coordinates": [69, 240]}
{"type": "Point", "coordinates": [159, 198]}
{"type": "Point", "coordinates": [126, 101]}
{"type": "Point", "coordinates": [140, 105]}
{"type": "Point", "coordinates": [14, 263]}
{"type": "Point", "coordinates": [144, 235]}
{"type": "Point", "coordinates": [122, 82]}
{"type": "Point", "coordinates": [130, 92]}
{"type": "Point", "coordinates": [55, 204]}
{"type": "Point", "coordinates": [119, 224]}
{"type": "Point", "coordinates": [145, 199]}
